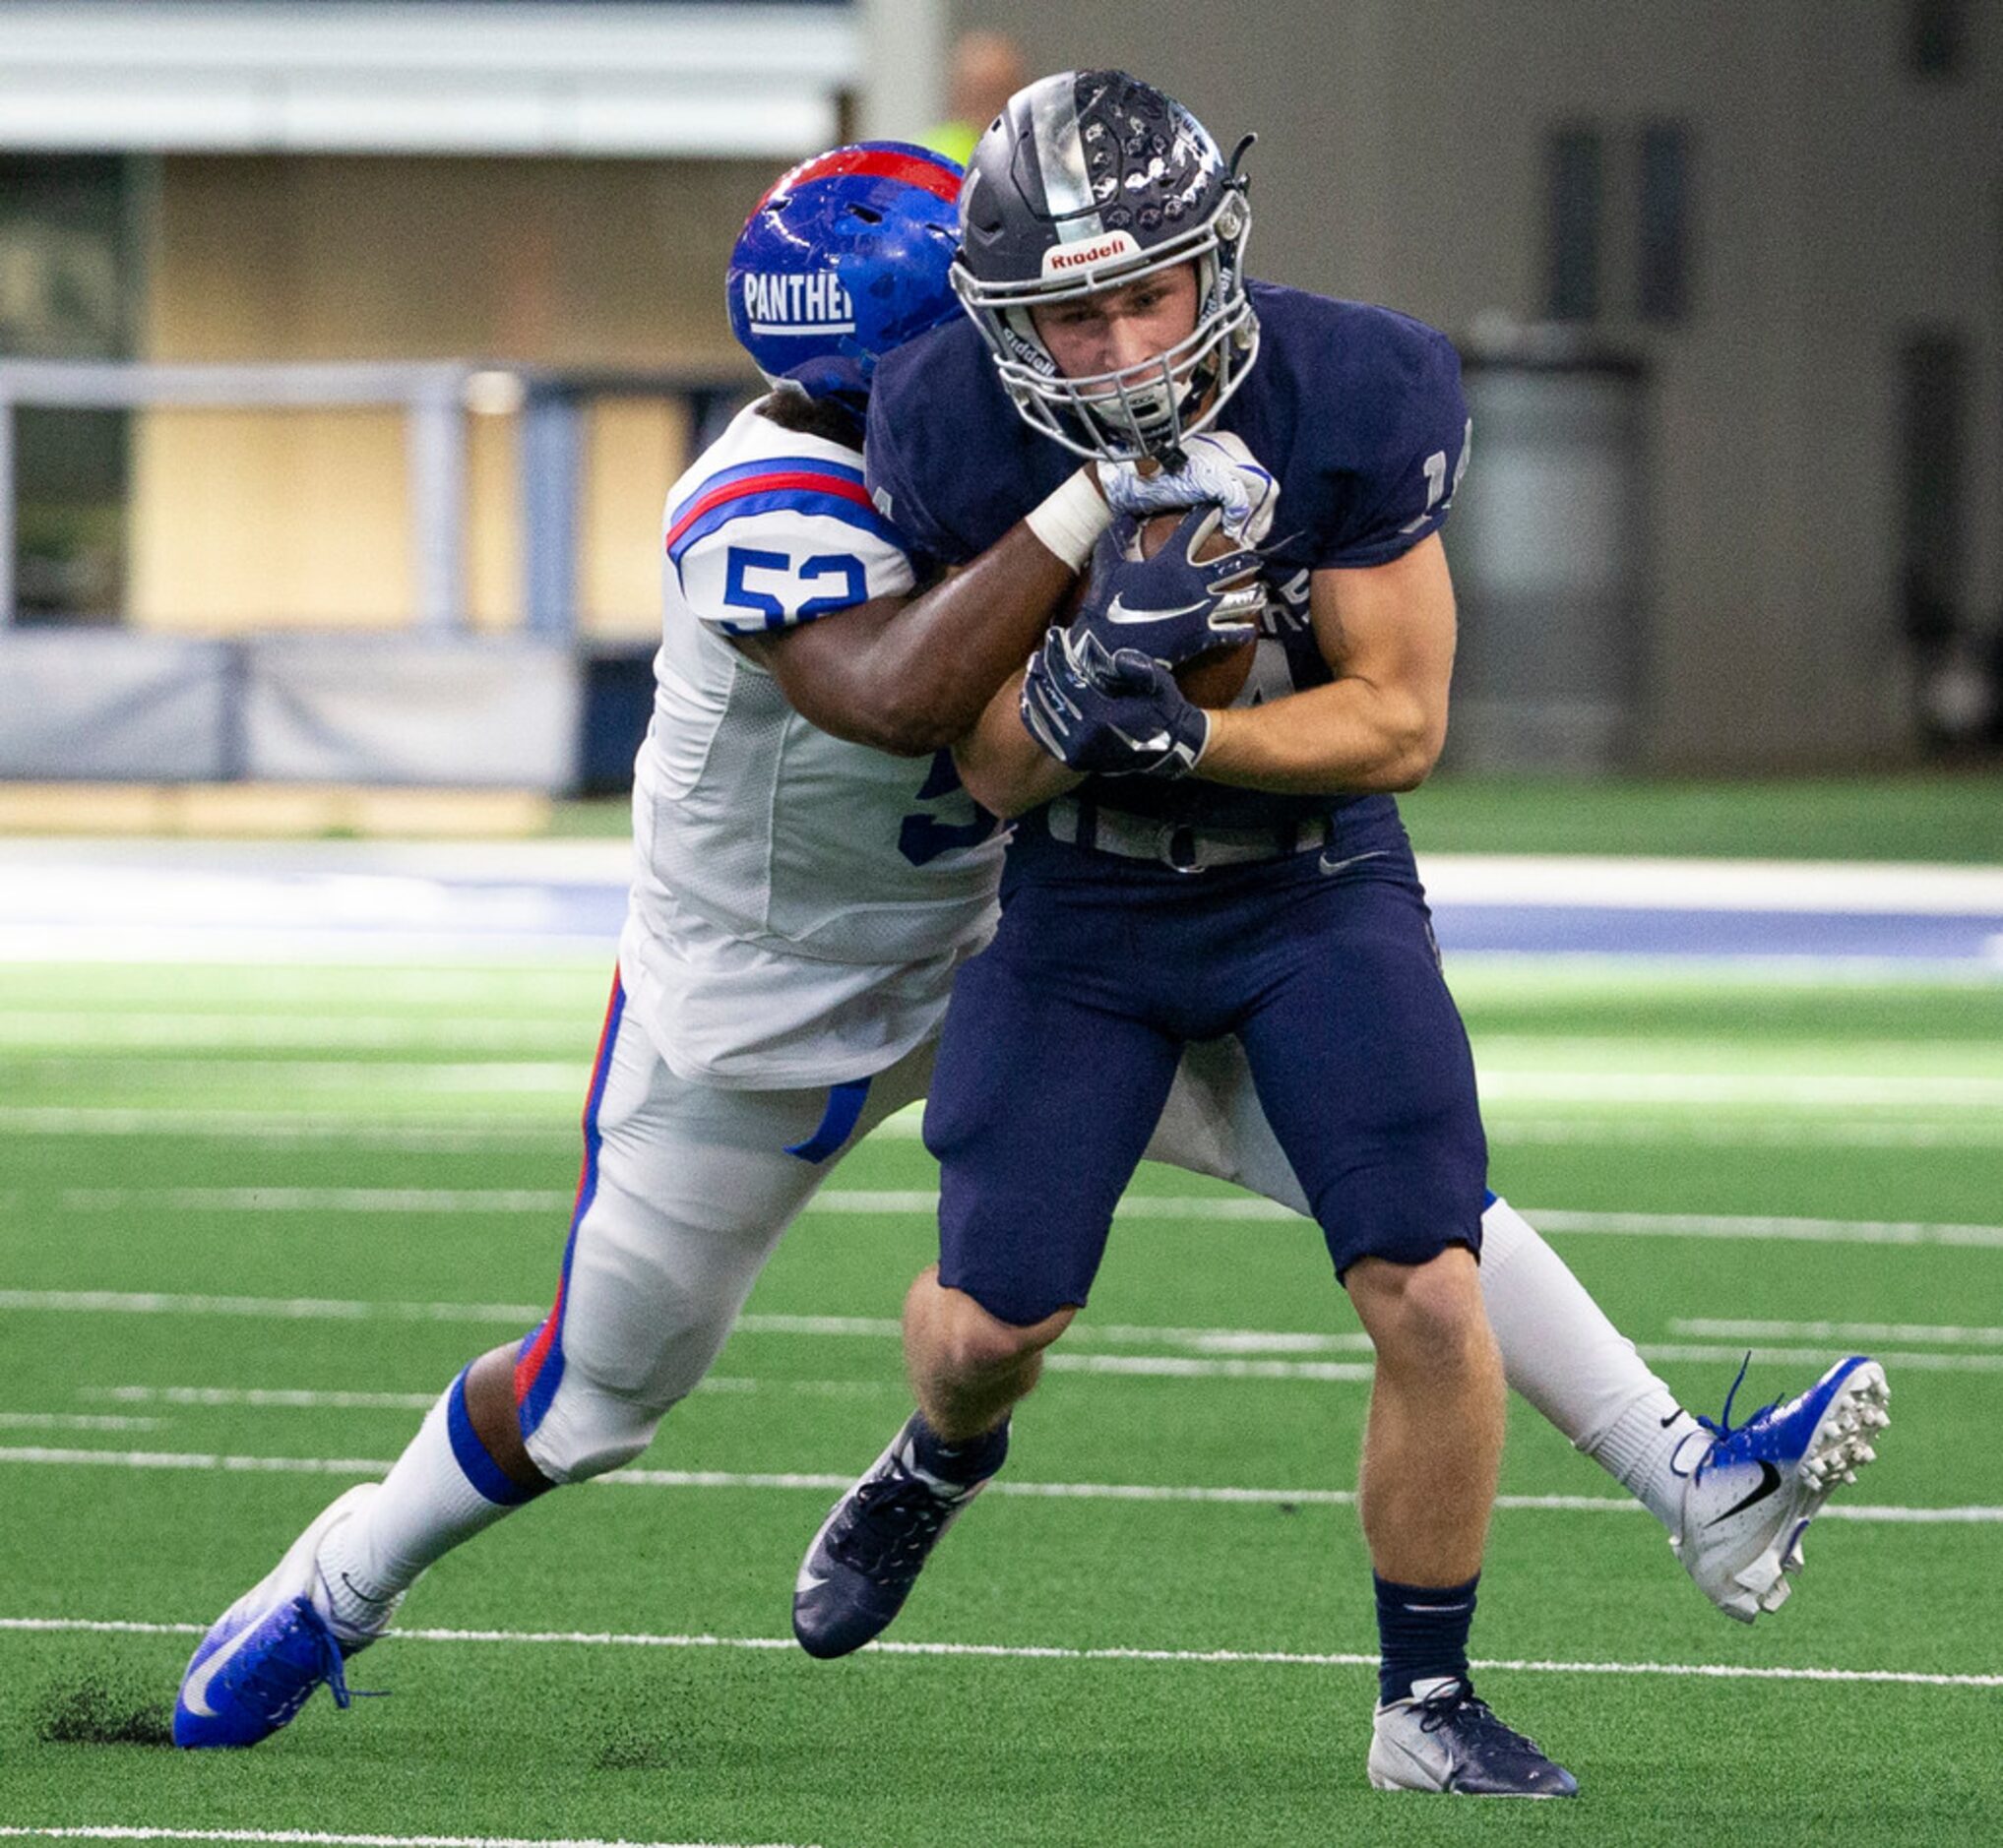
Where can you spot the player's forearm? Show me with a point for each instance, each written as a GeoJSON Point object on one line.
{"type": "Point", "coordinates": [938, 665]}
{"type": "Point", "coordinates": [1003, 768]}
{"type": "Point", "coordinates": [1344, 737]}
{"type": "Point", "coordinates": [910, 675]}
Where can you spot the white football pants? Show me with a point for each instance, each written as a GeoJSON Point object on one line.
{"type": "Point", "coordinates": [689, 1188]}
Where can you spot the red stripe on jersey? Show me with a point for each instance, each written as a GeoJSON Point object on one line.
{"type": "Point", "coordinates": [932, 175]}
{"type": "Point", "coordinates": [775, 483]}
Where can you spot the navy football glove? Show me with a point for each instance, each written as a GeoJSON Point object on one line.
{"type": "Point", "coordinates": [1110, 714]}
{"type": "Point", "coordinates": [1172, 607]}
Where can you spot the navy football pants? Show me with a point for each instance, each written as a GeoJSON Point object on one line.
{"type": "Point", "coordinates": [1064, 1033]}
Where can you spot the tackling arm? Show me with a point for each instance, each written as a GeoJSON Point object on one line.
{"type": "Point", "coordinates": [1387, 632]}
{"type": "Point", "coordinates": [910, 675]}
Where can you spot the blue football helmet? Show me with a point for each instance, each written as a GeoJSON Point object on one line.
{"type": "Point", "coordinates": [844, 259]}
{"type": "Point", "coordinates": [1090, 180]}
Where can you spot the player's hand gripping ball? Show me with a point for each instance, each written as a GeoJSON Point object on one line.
{"type": "Point", "coordinates": [1115, 714]}
{"type": "Point", "coordinates": [1175, 587]}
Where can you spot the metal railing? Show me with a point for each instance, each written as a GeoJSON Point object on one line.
{"type": "Point", "coordinates": [435, 398]}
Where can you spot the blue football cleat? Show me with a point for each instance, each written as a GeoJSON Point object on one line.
{"type": "Point", "coordinates": [264, 1655]}
{"type": "Point", "coordinates": [1751, 1490]}
{"type": "Point", "coordinates": [870, 1549]}
{"type": "Point", "coordinates": [1444, 1739]}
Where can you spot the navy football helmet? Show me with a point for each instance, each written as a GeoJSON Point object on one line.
{"type": "Point", "coordinates": [844, 259]}
{"type": "Point", "coordinates": [1088, 180]}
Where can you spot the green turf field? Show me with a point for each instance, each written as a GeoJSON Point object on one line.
{"type": "Point", "coordinates": [273, 1178]}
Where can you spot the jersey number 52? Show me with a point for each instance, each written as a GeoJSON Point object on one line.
{"type": "Point", "coordinates": [741, 593]}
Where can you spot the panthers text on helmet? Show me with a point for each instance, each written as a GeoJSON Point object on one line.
{"type": "Point", "coordinates": [797, 304]}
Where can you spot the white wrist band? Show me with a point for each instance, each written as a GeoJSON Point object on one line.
{"type": "Point", "coordinates": [1069, 522]}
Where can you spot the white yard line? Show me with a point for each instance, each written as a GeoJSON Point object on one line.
{"type": "Point", "coordinates": [75, 1421]}
{"type": "Point", "coordinates": [824, 1481]}
{"type": "Point", "coordinates": [1501, 1084]}
{"type": "Point", "coordinates": [1761, 1089]}
{"type": "Point", "coordinates": [1217, 1353]}
{"type": "Point", "coordinates": [324, 1199]}
{"type": "Point", "coordinates": [1693, 1226]}
{"type": "Point", "coordinates": [273, 1308]}
{"type": "Point", "coordinates": [123, 1030]}
{"type": "Point", "coordinates": [1739, 1130]}
{"type": "Point", "coordinates": [923, 1202]}
{"type": "Point", "coordinates": [278, 1076]}
{"type": "Point", "coordinates": [1730, 1353]}
{"type": "Point", "coordinates": [1205, 1658]}
{"type": "Point", "coordinates": [1839, 1331]}
{"type": "Point", "coordinates": [262, 1126]}
{"type": "Point", "coordinates": [308, 1398]}
{"type": "Point", "coordinates": [313, 1838]}
{"type": "Point", "coordinates": [1505, 1127]}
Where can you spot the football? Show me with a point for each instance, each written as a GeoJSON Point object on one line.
{"type": "Point", "coordinates": [1215, 678]}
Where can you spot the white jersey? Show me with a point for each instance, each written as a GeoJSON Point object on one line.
{"type": "Point", "coordinates": [799, 903]}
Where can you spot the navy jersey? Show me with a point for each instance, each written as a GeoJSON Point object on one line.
{"type": "Point", "coordinates": [1356, 411]}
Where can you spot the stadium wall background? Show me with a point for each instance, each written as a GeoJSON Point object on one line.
{"type": "Point", "coordinates": [1805, 507]}
{"type": "Point", "coordinates": [1844, 206]}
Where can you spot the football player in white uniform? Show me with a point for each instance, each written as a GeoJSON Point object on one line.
{"type": "Point", "coordinates": [808, 876]}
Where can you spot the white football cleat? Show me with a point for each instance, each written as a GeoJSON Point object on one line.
{"type": "Point", "coordinates": [1443, 1739]}
{"type": "Point", "coordinates": [1751, 1491]}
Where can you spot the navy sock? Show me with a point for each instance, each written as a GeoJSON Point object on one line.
{"type": "Point", "coordinates": [971, 1461]}
{"type": "Point", "coordinates": [1422, 1634]}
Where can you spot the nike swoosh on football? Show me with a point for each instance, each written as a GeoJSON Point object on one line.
{"type": "Point", "coordinates": [1118, 611]}
{"type": "Point", "coordinates": [1770, 1480]}
{"type": "Point", "coordinates": [196, 1694]}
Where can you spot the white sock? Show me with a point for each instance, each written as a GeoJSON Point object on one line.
{"type": "Point", "coordinates": [1562, 1354]}
{"type": "Point", "coordinates": [443, 1490]}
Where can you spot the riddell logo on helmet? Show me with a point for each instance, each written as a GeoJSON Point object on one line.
{"type": "Point", "coordinates": [1062, 259]}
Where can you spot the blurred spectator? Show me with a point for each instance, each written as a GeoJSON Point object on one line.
{"type": "Point", "coordinates": [988, 69]}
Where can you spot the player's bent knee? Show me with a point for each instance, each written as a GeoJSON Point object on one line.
{"type": "Point", "coordinates": [591, 1434]}
{"type": "Point", "coordinates": [1429, 1315]}
{"type": "Point", "coordinates": [973, 1342]}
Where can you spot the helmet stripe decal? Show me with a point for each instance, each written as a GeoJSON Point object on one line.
{"type": "Point", "coordinates": [1067, 195]}
{"type": "Point", "coordinates": [933, 173]}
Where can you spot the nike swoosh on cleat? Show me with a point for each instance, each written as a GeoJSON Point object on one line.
{"type": "Point", "coordinates": [195, 1695]}
{"type": "Point", "coordinates": [806, 1582]}
{"type": "Point", "coordinates": [1118, 611]}
{"type": "Point", "coordinates": [1770, 1480]}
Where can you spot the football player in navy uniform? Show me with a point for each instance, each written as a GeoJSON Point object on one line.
{"type": "Point", "coordinates": [808, 877]}
{"type": "Point", "coordinates": [1181, 874]}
